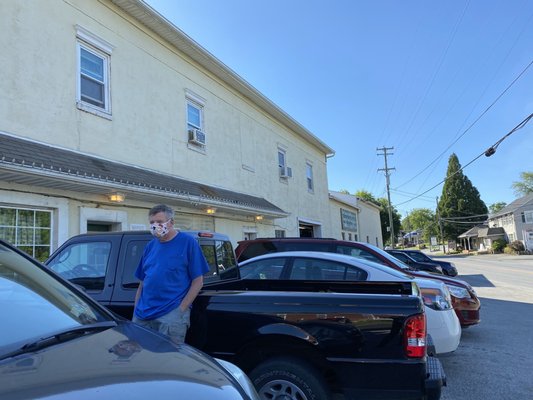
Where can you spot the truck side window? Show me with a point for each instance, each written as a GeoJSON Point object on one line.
{"type": "Point", "coordinates": [221, 260]}
{"type": "Point", "coordinates": [134, 252]}
{"type": "Point", "coordinates": [225, 256]}
{"type": "Point", "coordinates": [84, 264]}
{"type": "Point", "coordinates": [210, 257]}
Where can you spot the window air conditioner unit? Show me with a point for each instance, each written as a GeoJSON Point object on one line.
{"type": "Point", "coordinates": [285, 172]}
{"type": "Point", "coordinates": [196, 136]}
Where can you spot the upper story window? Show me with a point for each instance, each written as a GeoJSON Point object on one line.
{"type": "Point", "coordinates": [93, 91]}
{"type": "Point", "coordinates": [195, 121]}
{"type": "Point", "coordinates": [309, 176]}
{"type": "Point", "coordinates": [194, 116]}
{"type": "Point", "coordinates": [284, 171]}
{"type": "Point", "coordinates": [196, 136]}
{"type": "Point", "coordinates": [282, 156]}
{"type": "Point", "coordinates": [527, 217]}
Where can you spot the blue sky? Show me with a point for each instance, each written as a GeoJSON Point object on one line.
{"type": "Point", "coordinates": [413, 75]}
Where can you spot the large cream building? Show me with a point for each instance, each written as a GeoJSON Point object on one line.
{"type": "Point", "coordinates": [106, 109]}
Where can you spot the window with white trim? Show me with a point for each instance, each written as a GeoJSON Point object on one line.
{"type": "Point", "coordinates": [27, 229]}
{"type": "Point", "coordinates": [282, 158]}
{"type": "Point", "coordinates": [279, 233]}
{"type": "Point", "coordinates": [194, 115]}
{"type": "Point", "coordinates": [195, 121]}
{"type": "Point", "coordinates": [93, 89]}
{"type": "Point", "coordinates": [285, 171]}
{"type": "Point", "coordinates": [527, 217]}
{"type": "Point", "coordinates": [309, 177]}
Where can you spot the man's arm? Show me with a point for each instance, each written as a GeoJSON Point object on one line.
{"type": "Point", "coordinates": [138, 293]}
{"type": "Point", "coordinates": [196, 286]}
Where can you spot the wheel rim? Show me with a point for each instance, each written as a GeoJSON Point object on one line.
{"type": "Point", "coordinates": [281, 390]}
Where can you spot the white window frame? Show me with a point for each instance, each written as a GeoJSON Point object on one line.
{"type": "Point", "coordinates": [282, 163]}
{"type": "Point", "coordinates": [196, 101]}
{"type": "Point", "coordinates": [309, 177]}
{"type": "Point", "coordinates": [34, 228]}
{"type": "Point", "coordinates": [200, 109]}
{"type": "Point", "coordinates": [528, 217]}
{"type": "Point", "coordinates": [102, 49]}
{"type": "Point", "coordinates": [283, 154]}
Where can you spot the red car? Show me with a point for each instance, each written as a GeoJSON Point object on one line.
{"type": "Point", "coordinates": [464, 298]}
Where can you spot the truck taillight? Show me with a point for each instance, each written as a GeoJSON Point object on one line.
{"type": "Point", "coordinates": [415, 336]}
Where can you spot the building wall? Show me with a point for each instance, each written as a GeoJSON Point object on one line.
{"type": "Point", "coordinates": [368, 226]}
{"type": "Point", "coordinates": [370, 223]}
{"type": "Point", "coordinates": [149, 82]}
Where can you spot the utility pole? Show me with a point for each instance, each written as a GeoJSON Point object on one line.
{"type": "Point", "coordinates": [440, 226]}
{"type": "Point", "coordinates": [387, 175]}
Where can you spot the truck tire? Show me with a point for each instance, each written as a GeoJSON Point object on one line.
{"type": "Point", "coordinates": [288, 378]}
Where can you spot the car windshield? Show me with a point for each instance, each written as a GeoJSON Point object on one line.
{"type": "Point", "coordinates": [392, 259]}
{"type": "Point", "coordinates": [386, 269]}
{"type": "Point", "coordinates": [34, 303]}
{"type": "Point", "coordinates": [421, 257]}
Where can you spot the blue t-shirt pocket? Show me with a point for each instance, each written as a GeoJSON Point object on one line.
{"type": "Point", "coordinates": [176, 263]}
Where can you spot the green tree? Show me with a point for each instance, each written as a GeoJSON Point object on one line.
{"type": "Point", "coordinates": [367, 196]}
{"type": "Point", "coordinates": [494, 208]}
{"type": "Point", "coordinates": [460, 206]}
{"type": "Point", "coordinates": [525, 186]}
{"type": "Point", "coordinates": [384, 216]}
{"type": "Point", "coordinates": [421, 219]}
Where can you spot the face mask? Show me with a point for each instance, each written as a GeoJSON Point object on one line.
{"type": "Point", "coordinates": [159, 230]}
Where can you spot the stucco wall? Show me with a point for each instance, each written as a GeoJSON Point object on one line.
{"type": "Point", "coordinates": [149, 79]}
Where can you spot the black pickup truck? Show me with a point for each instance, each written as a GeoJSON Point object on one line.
{"type": "Point", "coordinates": [307, 340]}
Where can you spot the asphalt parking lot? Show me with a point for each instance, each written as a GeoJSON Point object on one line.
{"type": "Point", "coordinates": [495, 358]}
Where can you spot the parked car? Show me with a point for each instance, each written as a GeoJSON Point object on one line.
{"type": "Point", "coordinates": [448, 268]}
{"type": "Point", "coordinates": [442, 322]}
{"type": "Point", "coordinates": [56, 342]}
{"type": "Point", "coordinates": [417, 266]}
{"type": "Point", "coordinates": [294, 339]}
{"type": "Point", "coordinates": [464, 298]}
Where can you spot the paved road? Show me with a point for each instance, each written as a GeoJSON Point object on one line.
{"type": "Point", "coordinates": [495, 358]}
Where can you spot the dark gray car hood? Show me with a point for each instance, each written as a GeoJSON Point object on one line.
{"type": "Point", "coordinates": [126, 362]}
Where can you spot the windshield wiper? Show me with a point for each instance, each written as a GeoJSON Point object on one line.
{"type": "Point", "coordinates": [59, 337]}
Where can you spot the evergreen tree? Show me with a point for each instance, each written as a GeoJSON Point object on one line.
{"type": "Point", "coordinates": [460, 206]}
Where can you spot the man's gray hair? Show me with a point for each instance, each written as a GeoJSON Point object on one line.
{"type": "Point", "coordinates": [169, 212]}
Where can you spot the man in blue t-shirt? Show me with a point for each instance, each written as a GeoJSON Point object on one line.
{"type": "Point", "coordinates": [171, 273]}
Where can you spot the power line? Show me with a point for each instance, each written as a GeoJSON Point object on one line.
{"type": "Point", "coordinates": [471, 216]}
{"type": "Point", "coordinates": [463, 222]}
{"type": "Point", "coordinates": [469, 127]}
{"type": "Point", "coordinates": [489, 152]}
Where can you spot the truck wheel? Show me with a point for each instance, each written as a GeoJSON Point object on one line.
{"type": "Point", "coordinates": [288, 379]}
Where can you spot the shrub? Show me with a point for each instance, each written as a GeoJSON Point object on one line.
{"type": "Point", "coordinates": [517, 246]}
{"type": "Point", "coordinates": [498, 245]}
